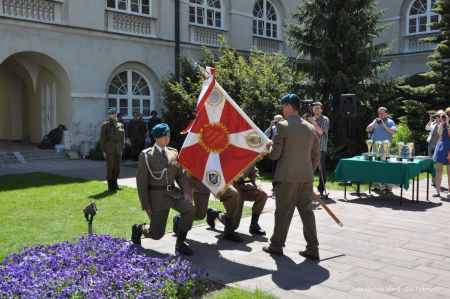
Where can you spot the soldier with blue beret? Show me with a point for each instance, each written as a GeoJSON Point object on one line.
{"type": "Point", "coordinates": [158, 169]}
{"type": "Point", "coordinates": [112, 141]}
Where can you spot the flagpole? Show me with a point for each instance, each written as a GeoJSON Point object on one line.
{"type": "Point", "coordinates": [324, 205]}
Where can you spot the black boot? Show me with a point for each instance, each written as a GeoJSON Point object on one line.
{"type": "Point", "coordinates": [176, 220]}
{"type": "Point", "coordinates": [229, 233]}
{"type": "Point", "coordinates": [211, 215]}
{"type": "Point", "coordinates": [255, 229]}
{"type": "Point", "coordinates": [182, 247]}
{"type": "Point", "coordinates": [136, 233]}
{"type": "Point", "coordinates": [110, 185]}
{"type": "Point", "coordinates": [115, 185]}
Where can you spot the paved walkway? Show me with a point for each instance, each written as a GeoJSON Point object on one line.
{"type": "Point", "coordinates": [384, 250]}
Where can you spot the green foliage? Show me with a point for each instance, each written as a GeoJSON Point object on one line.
{"type": "Point", "coordinates": [256, 82]}
{"type": "Point", "coordinates": [336, 42]}
{"type": "Point", "coordinates": [431, 90]}
{"type": "Point", "coordinates": [403, 134]}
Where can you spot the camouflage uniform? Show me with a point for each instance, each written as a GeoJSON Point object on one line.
{"type": "Point", "coordinates": [112, 140]}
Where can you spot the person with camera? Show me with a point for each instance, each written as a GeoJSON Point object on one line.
{"type": "Point", "coordinates": [432, 126]}
{"type": "Point", "coordinates": [158, 169]}
{"type": "Point", "coordinates": [321, 125]}
{"type": "Point", "coordinates": [441, 155]}
{"type": "Point", "coordinates": [272, 129]}
{"type": "Point", "coordinates": [382, 128]}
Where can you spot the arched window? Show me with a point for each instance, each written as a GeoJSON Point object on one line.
{"type": "Point", "coordinates": [130, 92]}
{"type": "Point", "coordinates": [420, 16]}
{"type": "Point", "coordinates": [131, 6]}
{"type": "Point", "coordinates": [206, 13]}
{"type": "Point", "coordinates": [265, 21]}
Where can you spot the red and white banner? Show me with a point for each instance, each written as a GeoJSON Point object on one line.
{"type": "Point", "coordinates": [222, 140]}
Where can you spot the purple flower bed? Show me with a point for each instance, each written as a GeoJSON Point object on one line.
{"type": "Point", "coordinates": [96, 266]}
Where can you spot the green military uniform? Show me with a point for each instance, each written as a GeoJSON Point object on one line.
{"type": "Point", "coordinates": [112, 141]}
{"type": "Point", "coordinates": [296, 147]}
{"type": "Point", "coordinates": [153, 181]}
{"type": "Point", "coordinates": [136, 131]}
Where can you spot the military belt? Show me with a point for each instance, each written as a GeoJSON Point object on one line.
{"type": "Point", "coordinates": [162, 188]}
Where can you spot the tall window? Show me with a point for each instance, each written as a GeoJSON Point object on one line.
{"type": "Point", "coordinates": [205, 13]}
{"type": "Point", "coordinates": [131, 6]}
{"type": "Point", "coordinates": [265, 21]}
{"type": "Point", "coordinates": [130, 92]}
{"type": "Point", "coordinates": [420, 16]}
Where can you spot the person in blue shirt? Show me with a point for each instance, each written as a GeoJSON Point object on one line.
{"type": "Point", "coordinates": [382, 128]}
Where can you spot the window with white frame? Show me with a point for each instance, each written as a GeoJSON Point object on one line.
{"type": "Point", "coordinates": [265, 20]}
{"type": "Point", "coordinates": [141, 7]}
{"type": "Point", "coordinates": [205, 13]}
{"type": "Point", "coordinates": [420, 16]}
{"type": "Point", "coordinates": [130, 92]}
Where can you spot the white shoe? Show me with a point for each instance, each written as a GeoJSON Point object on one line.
{"type": "Point", "coordinates": [436, 195]}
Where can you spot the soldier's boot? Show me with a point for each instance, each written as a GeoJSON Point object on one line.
{"type": "Point", "coordinates": [182, 247]}
{"type": "Point", "coordinates": [211, 215]}
{"type": "Point", "coordinates": [110, 185]}
{"type": "Point", "coordinates": [255, 229]}
{"type": "Point", "coordinates": [176, 220]}
{"type": "Point", "coordinates": [115, 185]}
{"type": "Point", "coordinates": [136, 233]}
{"type": "Point", "coordinates": [229, 233]}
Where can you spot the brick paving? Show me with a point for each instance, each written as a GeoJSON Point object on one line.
{"type": "Point", "coordinates": [384, 250]}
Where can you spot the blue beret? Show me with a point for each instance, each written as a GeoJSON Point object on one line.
{"type": "Point", "coordinates": [160, 130]}
{"type": "Point", "coordinates": [290, 98]}
{"type": "Point", "coordinates": [111, 110]}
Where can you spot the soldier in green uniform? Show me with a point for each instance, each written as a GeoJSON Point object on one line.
{"type": "Point", "coordinates": [245, 188]}
{"type": "Point", "coordinates": [297, 149]}
{"type": "Point", "coordinates": [158, 169]}
{"type": "Point", "coordinates": [201, 197]}
{"type": "Point", "coordinates": [112, 141]}
{"type": "Point", "coordinates": [136, 131]}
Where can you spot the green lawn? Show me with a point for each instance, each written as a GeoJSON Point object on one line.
{"type": "Point", "coordinates": [237, 293]}
{"type": "Point", "coordinates": [44, 208]}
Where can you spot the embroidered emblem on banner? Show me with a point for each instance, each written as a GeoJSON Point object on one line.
{"type": "Point", "coordinates": [213, 178]}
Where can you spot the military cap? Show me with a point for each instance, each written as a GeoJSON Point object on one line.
{"type": "Point", "coordinates": [111, 110]}
{"type": "Point", "coordinates": [160, 130]}
{"type": "Point", "coordinates": [290, 98]}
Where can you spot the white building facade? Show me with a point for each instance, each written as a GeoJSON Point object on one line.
{"type": "Point", "coordinates": [66, 61]}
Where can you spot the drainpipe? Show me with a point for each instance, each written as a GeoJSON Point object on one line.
{"type": "Point", "coordinates": [177, 41]}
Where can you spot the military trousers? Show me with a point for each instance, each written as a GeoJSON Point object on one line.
{"type": "Point", "coordinates": [201, 199]}
{"type": "Point", "coordinates": [249, 193]}
{"type": "Point", "coordinates": [113, 163]}
{"type": "Point", "coordinates": [157, 227]}
{"type": "Point", "coordinates": [288, 197]}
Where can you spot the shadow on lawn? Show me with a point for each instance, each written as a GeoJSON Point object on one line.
{"type": "Point", "coordinates": [33, 180]}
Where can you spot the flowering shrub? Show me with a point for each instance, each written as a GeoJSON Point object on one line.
{"type": "Point", "coordinates": [96, 266]}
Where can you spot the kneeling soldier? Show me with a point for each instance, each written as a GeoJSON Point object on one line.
{"type": "Point", "coordinates": [245, 188]}
{"type": "Point", "coordinates": [158, 169]}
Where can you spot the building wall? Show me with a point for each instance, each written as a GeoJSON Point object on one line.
{"type": "Point", "coordinates": [81, 45]}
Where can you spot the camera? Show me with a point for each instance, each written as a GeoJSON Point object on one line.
{"type": "Point", "coordinates": [379, 121]}
{"type": "Point", "coordinates": [443, 118]}
{"type": "Point", "coordinates": [306, 108]}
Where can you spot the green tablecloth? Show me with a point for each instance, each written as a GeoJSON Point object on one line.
{"type": "Point", "coordinates": [398, 173]}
